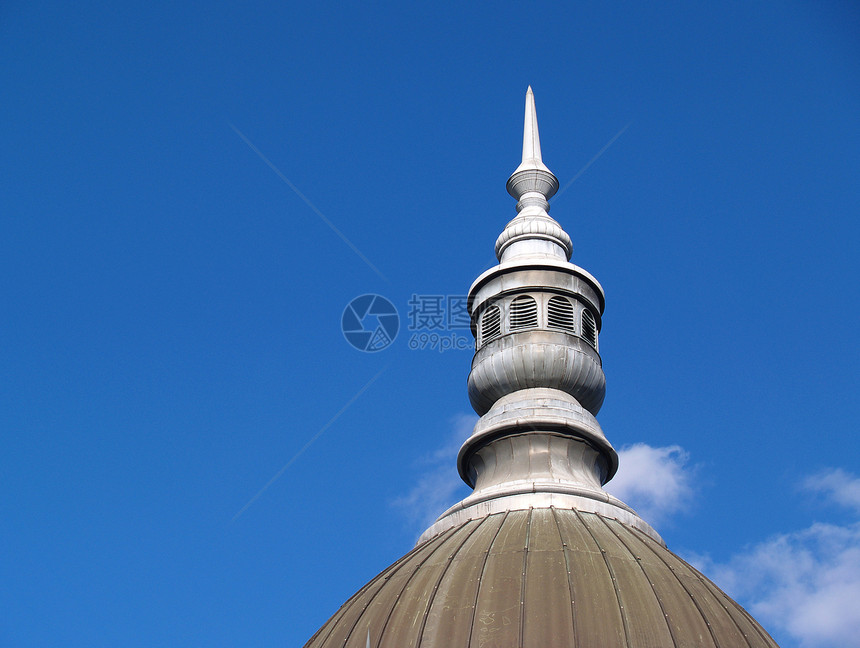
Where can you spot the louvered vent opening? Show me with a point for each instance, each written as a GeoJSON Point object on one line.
{"type": "Point", "coordinates": [523, 313]}
{"type": "Point", "coordinates": [560, 314]}
{"type": "Point", "coordinates": [589, 328]}
{"type": "Point", "coordinates": [491, 325]}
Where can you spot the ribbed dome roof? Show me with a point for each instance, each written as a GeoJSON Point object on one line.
{"type": "Point", "coordinates": [539, 555]}
{"type": "Point", "coordinates": [539, 578]}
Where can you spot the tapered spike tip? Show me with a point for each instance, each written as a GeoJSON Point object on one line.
{"type": "Point", "coordinates": [531, 137]}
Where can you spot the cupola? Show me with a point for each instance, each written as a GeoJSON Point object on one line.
{"type": "Point", "coordinates": [539, 554]}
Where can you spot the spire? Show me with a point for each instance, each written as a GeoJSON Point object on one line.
{"type": "Point", "coordinates": [533, 184]}
{"type": "Point", "coordinates": [531, 138]}
{"type": "Point", "coordinates": [537, 379]}
{"type": "Point", "coordinates": [538, 520]}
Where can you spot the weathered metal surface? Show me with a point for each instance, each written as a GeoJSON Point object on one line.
{"type": "Point", "coordinates": [539, 555]}
{"type": "Point", "coordinates": [549, 618]}
{"type": "Point", "coordinates": [537, 448]}
{"type": "Point", "coordinates": [539, 578]}
{"type": "Point", "coordinates": [536, 358]}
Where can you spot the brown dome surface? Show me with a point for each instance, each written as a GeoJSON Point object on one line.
{"type": "Point", "coordinates": [540, 578]}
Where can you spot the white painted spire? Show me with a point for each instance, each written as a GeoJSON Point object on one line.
{"type": "Point", "coordinates": [537, 381]}
{"type": "Point", "coordinates": [531, 137]}
{"type": "Point", "coordinates": [532, 232]}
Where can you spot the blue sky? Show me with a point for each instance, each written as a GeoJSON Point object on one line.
{"type": "Point", "coordinates": [171, 306]}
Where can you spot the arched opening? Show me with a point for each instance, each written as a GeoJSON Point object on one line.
{"type": "Point", "coordinates": [523, 313]}
{"type": "Point", "coordinates": [589, 328]}
{"type": "Point", "coordinates": [491, 325]}
{"type": "Point", "coordinates": [560, 314]}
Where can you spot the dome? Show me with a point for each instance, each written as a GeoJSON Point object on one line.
{"type": "Point", "coordinates": [537, 578]}
{"type": "Point", "coordinates": [539, 555]}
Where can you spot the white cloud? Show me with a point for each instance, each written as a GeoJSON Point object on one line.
{"type": "Point", "coordinates": [806, 583]}
{"type": "Point", "coordinates": [462, 426]}
{"type": "Point", "coordinates": [842, 487]}
{"type": "Point", "coordinates": [655, 481]}
{"type": "Point", "coordinates": [439, 486]}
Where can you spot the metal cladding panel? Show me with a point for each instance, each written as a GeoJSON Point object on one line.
{"type": "Point", "coordinates": [452, 612]}
{"type": "Point", "coordinates": [547, 617]}
{"type": "Point", "coordinates": [726, 632]}
{"type": "Point", "coordinates": [498, 612]}
{"type": "Point", "coordinates": [538, 578]}
{"type": "Point", "coordinates": [643, 618]}
{"type": "Point", "coordinates": [406, 618]}
{"type": "Point", "coordinates": [597, 613]}
{"type": "Point", "coordinates": [754, 634]}
{"type": "Point", "coordinates": [730, 625]}
{"type": "Point", "coordinates": [372, 603]}
{"type": "Point", "coordinates": [685, 620]}
{"type": "Point", "coordinates": [723, 629]}
{"type": "Point", "coordinates": [342, 622]}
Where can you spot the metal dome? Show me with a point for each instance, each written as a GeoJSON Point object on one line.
{"type": "Point", "coordinates": [538, 578]}
{"type": "Point", "coordinates": [539, 555]}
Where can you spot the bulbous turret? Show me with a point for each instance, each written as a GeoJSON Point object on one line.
{"type": "Point", "coordinates": [539, 554]}
{"type": "Point", "coordinates": [535, 316]}
{"type": "Point", "coordinates": [537, 378]}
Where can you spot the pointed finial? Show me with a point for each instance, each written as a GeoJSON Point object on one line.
{"type": "Point", "coordinates": [532, 184]}
{"type": "Point", "coordinates": [531, 137]}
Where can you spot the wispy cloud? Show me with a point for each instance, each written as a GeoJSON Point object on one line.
{"type": "Point", "coordinates": [657, 482]}
{"type": "Point", "coordinates": [805, 583]}
{"type": "Point", "coordinates": [438, 485]}
{"type": "Point", "coordinates": [841, 487]}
